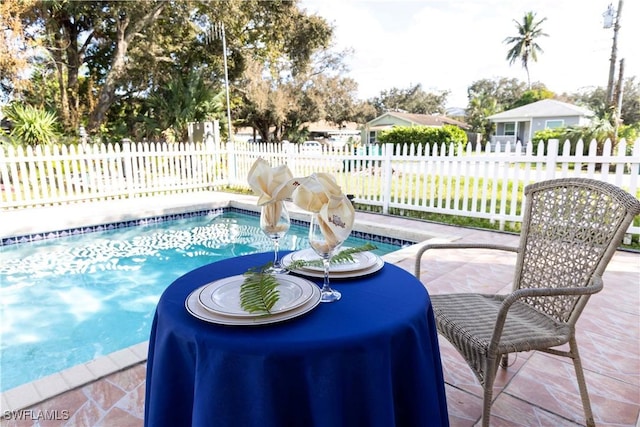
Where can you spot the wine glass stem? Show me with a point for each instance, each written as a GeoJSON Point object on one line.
{"type": "Point", "coordinates": [276, 249]}
{"type": "Point", "coordinates": [325, 284]}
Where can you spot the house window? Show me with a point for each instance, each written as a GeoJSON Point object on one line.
{"type": "Point", "coordinates": [553, 124]}
{"type": "Point", "coordinates": [510, 128]}
{"type": "Point", "coordinates": [372, 137]}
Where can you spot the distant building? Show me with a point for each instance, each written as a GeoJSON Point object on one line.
{"type": "Point", "coordinates": [204, 131]}
{"type": "Point", "coordinates": [329, 132]}
{"type": "Point", "coordinates": [521, 123]}
{"type": "Point", "coordinates": [390, 120]}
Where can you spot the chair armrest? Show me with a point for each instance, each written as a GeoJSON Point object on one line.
{"type": "Point", "coordinates": [428, 246]}
{"type": "Point", "coordinates": [595, 285]}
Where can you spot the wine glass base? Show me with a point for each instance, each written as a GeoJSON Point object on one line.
{"type": "Point", "coordinates": [277, 270]}
{"type": "Point", "coordinates": [330, 296]}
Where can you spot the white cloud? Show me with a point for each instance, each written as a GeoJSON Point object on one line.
{"type": "Point", "coordinates": [447, 45]}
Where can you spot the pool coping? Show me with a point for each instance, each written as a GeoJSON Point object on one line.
{"type": "Point", "coordinates": [40, 390]}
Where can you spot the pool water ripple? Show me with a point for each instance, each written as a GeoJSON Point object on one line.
{"type": "Point", "coordinates": [69, 300]}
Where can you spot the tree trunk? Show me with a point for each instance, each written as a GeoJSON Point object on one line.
{"type": "Point", "coordinates": [73, 65]}
{"type": "Point", "coordinates": [125, 34]}
{"type": "Point", "coordinates": [108, 90]}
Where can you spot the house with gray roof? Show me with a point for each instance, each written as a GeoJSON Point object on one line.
{"type": "Point", "coordinates": [521, 123]}
{"type": "Point", "coordinates": [392, 119]}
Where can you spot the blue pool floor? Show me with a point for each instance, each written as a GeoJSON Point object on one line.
{"type": "Point", "coordinates": [69, 300]}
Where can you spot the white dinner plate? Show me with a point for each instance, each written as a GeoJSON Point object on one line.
{"type": "Point", "coordinates": [196, 309]}
{"type": "Point", "coordinates": [338, 274]}
{"type": "Point", "coordinates": [361, 260]}
{"type": "Point", "coordinates": [223, 296]}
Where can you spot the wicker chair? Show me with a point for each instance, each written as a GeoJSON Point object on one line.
{"type": "Point", "coordinates": [570, 230]}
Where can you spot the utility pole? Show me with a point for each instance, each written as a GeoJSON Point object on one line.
{"type": "Point", "coordinates": [218, 32]}
{"type": "Point", "coordinates": [617, 112]}
{"type": "Point", "coordinates": [226, 80]}
{"type": "Point", "coordinates": [608, 22]}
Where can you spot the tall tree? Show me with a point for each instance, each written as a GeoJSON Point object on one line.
{"type": "Point", "coordinates": [14, 51]}
{"type": "Point", "coordinates": [524, 46]}
{"type": "Point", "coordinates": [481, 107]}
{"type": "Point", "coordinates": [596, 100]}
{"type": "Point", "coordinates": [129, 22]}
{"type": "Point", "coordinates": [532, 95]}
{"type": "Point", "coordinates": [410, 100]}
{"type": "Point", "coordinates": [129, 50]}
{"type": "Point", "coordinates": [70, 32]}
{"type": "Point", "coordinates": [505, 91]}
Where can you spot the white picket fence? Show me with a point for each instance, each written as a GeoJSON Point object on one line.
{"type": "Point", "coordinates": [473, 183]}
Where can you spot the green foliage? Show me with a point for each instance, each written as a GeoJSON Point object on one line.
{"type": "Point", "coordinates": [629, 134]}
{"type": "Point", "coordinates": [532, 95]}
{"type": "Point", "coordinates": [422, 135]}
{"type": "Point", "coordinates": [186, 98]}
{"type": "Point", "coordinates": [481, 107]}
{"type": "Point", "coordinates": [504, 91]}
{"type": "Point", "coordinates": [488, 97]}
{"type": "Point", "coordinates": [599, 129]}
{"type": "Point", "coordinates": [411, 100]}
{"type": "Point", "coordinates": [344, 256]}
{"type": "Point", "coordinates": [30, 125]}
{"type": "Point", "coordinates": [545, 135]}
{"type": "Point", "coordinates": [259, 291]}
{"type": "Point", "coordinates": [117, 55]}
{"type": "Point", "coordinates": [595, 100]}
{"type": "Point", "coordinates": [524, 46]}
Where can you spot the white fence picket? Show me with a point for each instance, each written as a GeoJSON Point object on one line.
{"type": "Point", "coordinates": [432, 178]}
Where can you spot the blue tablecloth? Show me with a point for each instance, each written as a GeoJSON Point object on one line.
{"type": "Point", "coordinates": [370, 359]}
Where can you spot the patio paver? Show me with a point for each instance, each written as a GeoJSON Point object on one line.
{"type": "Point", "coordinates": [536, 390]}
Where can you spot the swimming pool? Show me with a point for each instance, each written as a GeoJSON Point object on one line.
{"type": "Point", "coordinates": [68, 300]}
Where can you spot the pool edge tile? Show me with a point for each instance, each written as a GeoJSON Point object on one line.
{"type": "Point", "coordinates": [77, 376]}
{"type": "Point", "coordinates": [4, 405]}
{"type": "Point", "coordinates": [21, 397]}
{"type": "Point", "coordinates": [141, 350]}
{"type": "Point", "coordinates": [124, 358]}
{"type": "Point", "coordinates": [50, 386]}
{"type": "Point", "coordinates": [101, 367]}
{"type": "Point", "coordinates": [32, 393]}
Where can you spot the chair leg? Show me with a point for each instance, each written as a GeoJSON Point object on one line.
{"type": "Point", "coordinates": [504, 361]}
{"type": "Point", "coordinates": [582, 385]}
{"type": "Point", "coordinates": [490, 372]}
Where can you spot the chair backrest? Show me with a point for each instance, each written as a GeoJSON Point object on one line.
{"type": "Point", "coordinates": [571, 228]}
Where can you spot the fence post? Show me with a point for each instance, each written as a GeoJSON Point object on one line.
{"type": "Point", "coordinates": [127, 159]}
{"type": "Point", "coordinates": [231, 163]}
{"type": "Point", "coordinates": [552, 158]}
{"type": "Point", "coordinates": [387, 176]}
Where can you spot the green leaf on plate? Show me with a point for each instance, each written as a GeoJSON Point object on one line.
{"type": "Point", "coordinates": [259, 291]}
{"type": "Point", "coordinates": [344, 256]}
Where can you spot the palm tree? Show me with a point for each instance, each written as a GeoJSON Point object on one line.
{"type": "Point", "coordinates": [524, 46]}
{"type": "Point", "coordinates": [480, 107]}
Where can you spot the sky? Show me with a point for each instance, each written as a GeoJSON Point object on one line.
{"type": "Point", "coordinates": [449, 44]}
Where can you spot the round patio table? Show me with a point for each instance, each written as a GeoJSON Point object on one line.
{"type": "Point", "coordinates": [370, 359]}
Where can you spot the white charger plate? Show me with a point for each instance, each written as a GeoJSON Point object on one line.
{"type": "Point", "coordinates": [223, 296]}
{"type": "Point", "coordinates": [339, 274]}
{"type": "Point", "coordinates": [195, 308]}
{"type": "Point", "coordinates": [361, 261]}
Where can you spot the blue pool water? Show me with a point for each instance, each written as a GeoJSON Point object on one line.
{"type": "Point", "coordinates": [68, 300]}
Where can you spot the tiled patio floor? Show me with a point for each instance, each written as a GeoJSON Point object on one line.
{"type": "Point", "coordinates": [536, 390]}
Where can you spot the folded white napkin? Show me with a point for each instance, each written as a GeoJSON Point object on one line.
{"type": "Point", "coordinates": [319, 193]}
{"type": "Point", "coordinates": [270, 184]}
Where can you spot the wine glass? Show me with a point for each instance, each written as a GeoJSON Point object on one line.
{"type": "Point", "coordinates": [275, 222]}
{"type": "Point", "coordinates": [325, 248]}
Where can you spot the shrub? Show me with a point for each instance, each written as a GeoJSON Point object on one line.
{"type": "Point", "coordinates": [422, 135]}
{"type": "Point", "coordinates": [30, 125]}
{"type": "Point", "coordinates": [545, 135]}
